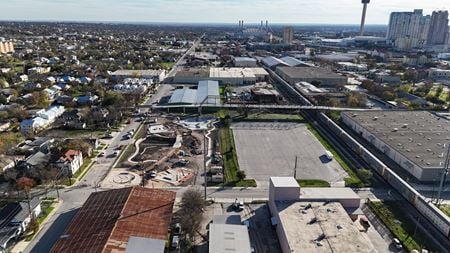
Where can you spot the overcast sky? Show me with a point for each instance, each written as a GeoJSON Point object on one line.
{"type": "Point", "coordinates": [214, 11]}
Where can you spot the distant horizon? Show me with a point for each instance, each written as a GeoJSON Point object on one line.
{"type": "Point", "coordinates": [317, 12]}
{"type": "Point", "coordinates": [180, 23]}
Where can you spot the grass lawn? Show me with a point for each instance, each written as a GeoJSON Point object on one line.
{"type": "Point", "coordinates": [399, 225]}
{"type": "Point", "coordinates": [444, 96]}
{"type": "Point", "coordinates": [167, 65]}
{"type": "Point", "coordinates": [126, 153]}
{"type": "Point", "coordinates": [230, 161]}
{"type": "Point", "coordinates": [140, 133]}
{"type": "Point", "coordinates": [314, 183]}
{"type": "Point", "coordinates": [46, 208]}
{"type": "Point", "coordinates": [84, 166]}
{"type": "Point", "coordinates": [352, 180]}
{"type": "Point", "coordinates": [274, 116]}
{"type": "Point", "coordinates": [445, 209]}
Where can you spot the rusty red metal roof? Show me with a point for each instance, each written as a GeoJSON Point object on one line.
{"type": "Point", "coordinates": [108, 219]}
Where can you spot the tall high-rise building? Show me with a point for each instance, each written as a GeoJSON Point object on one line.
{"type": "Point", "coordinates": [288, 34]}
{"type": "Point", "coordinates": [363, 18]}
{"type": "Point", "coordinates": [438, 32]}
{"type": "Point", "coordinates": [408, 29]}
{"type": "Point", "coordinates": [6, 47]}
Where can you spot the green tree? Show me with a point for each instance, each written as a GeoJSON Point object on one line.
{"type": "Point", "coordinates": [113, 99]}
{"type": "Point", "coordinates": [241, 175]}
{"type": "Point", "coordinates": [365, 175]}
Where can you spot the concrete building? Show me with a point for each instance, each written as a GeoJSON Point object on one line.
{"type": "Point", "coordinates": [315, 220]}
{"type": "Point", "coordinates": [417, 141]}
{"type": "Point", "coordinates": [232, 76]}
{"type": "Point", "coordinates": [288, 35]}
{"type": "Point", "coordinates": [245, 62]}
{"type": "Point", "coordinates": [120, 220]}
{"type": "Point", "coordinates": [156, 75]}
{"type": "Point", "coordinates": [439, 74]}
{"type": "Point", "coordinates": [363, 17]}
{"type": "Point", "coordinates": [6, 47]}
{"type": "Point", "coordinates": [408, 29]}
{"type": "Point", "coordinates": [312, 75]}
{"type": "Point", "coordinates": [238, 76]}
{"type": "Point", "coordinates": [438, 31]}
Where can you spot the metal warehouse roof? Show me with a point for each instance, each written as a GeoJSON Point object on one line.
{"type": "Point", "coordinates": [208, 92]}
{"type": "Point", "coordinates": [224, 238]}
{"type": "Point", "coordinates": [271, 61]}
{"type": "Point", "coordinates": [108, 219]}
{"type": "Point", "coordinates": [291, 61]}
{"type": "Point", "coordinates": [183, 96]}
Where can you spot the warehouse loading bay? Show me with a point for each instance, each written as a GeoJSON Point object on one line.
{"type": "Point", "coordinates": [270, 149]}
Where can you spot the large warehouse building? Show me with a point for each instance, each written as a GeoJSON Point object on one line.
{"type": "Point", "coordinates": [233, 76]}
{"type": "Point", "coordinates": [417, 141]}
{"type": "Point", "coordinates": [325, 77]}
{"type": "Point", "coordinates": [207, 92]}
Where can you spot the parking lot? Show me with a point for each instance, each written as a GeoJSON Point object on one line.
{"type": "Point", "coordinates": [270, 149]}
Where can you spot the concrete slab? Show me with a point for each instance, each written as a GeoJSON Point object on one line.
{"type": "Point", "coordinates": [269, 149]}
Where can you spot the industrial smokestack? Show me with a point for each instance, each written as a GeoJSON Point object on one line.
{"type": "Point", "coordinates": [363, 18]}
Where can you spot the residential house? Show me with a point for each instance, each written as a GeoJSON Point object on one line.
{"type": "Point", "coordinates": [87, 99]}
{"type": "Point", "coordinates": [73, 120]}
{"type": "Point", "coordinates": [14, 220]}
{"type": "Point", "coordinates": [38, 71]}
{"type": "Point", "coordinates": [6, 163]}
{"type": "Point", "coordinates": [4, 126]}
{"type": "Point", "coordinates": [70, 162]}
{"type": "Point", "coordinates": [42, 144]}
{"type": "Point", "coordinates": [44, 118]}
{"type": "Point", "coordinates": [64, 100]}
{"type": "Point", "coordinates": [34, 163]}
{"type": "Point", "coordinates": [32, 86]}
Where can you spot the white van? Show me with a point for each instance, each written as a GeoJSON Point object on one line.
{"type": "Point", "coordinates": [329, 155]}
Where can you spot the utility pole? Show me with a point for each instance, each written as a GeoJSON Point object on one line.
{"type": "Point", "coordinates": [295, 167]}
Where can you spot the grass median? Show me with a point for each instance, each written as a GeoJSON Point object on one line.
{"type": "Point", "coordinates": [392, 216]}
{"type": "Point", "coordinates": [230, 161]}
{"type": "Point", "coordinates": [313, 183]}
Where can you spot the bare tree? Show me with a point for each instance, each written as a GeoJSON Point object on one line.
{"type": "Point", "coordinates": [191, 212]}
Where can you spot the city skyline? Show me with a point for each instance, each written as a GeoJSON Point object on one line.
{"type": "Point", "coordinates": [212, 11]}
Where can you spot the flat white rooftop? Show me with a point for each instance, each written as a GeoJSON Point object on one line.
{"type": "Point", "coordinates": [328, 193]}
{"type": "Point", "coordinates": [320, 227]}
{"type": "Point", "coordinates": [284, 182]}
{"type": "Point", "coordinates": [224, 238]}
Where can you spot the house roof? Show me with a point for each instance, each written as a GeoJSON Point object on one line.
{"type": "Point", "coordinates": [108, 219]}
{"type": "Point", "coordinates": [70, 155]}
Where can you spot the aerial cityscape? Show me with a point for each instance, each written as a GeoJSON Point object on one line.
{"type": "Point", "coordinates": [224, 126]}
